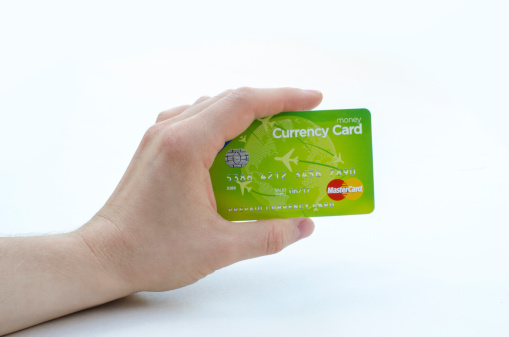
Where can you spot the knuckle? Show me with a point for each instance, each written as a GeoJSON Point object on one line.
{"type": "Point", "coordinates": [152, 133]}
{"type": "Point", "coordinates": [170, 141]}
{"type": "Point", "coordinates": [174, 141]}
{"type": "Point", "coordinates": [162, 116]}
{"type": "Point", "coordinates": [243, 91]}
{"type": "Point", "coordinates": [202, 99]}
{"type": "Point", "coordinates": [240, 95]}
{"type": "Point", "coordinates": [167, 114]}
{"type": "Point", "coordinates": [275, 241]}
{"type": "Point", "coordinates": [226, 93]}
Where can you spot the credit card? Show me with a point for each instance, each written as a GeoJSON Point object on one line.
{"type": "Point", "coordinates": [297, 164]}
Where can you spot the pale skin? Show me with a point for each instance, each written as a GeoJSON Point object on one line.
{"type": "Point", "coordinates": [147, 237]}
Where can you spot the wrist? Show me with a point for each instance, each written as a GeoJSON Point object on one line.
{"type": "Point", "coordinates": [108, 250]}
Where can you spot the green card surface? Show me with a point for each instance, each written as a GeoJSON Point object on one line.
{"type": "Point", "coordinates": [297, 164]}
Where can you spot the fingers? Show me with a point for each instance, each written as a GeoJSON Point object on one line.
{"type": "Point", "coordinates": [198, 106]}
{"type": "Point", "coordinates": [184, 111]}
{"type": "Point", "coordinates": [264, 237]}
{"type": "Point", "coordinates": [167, 114]}
{"type": "Point", "coordinates": [228, 116]}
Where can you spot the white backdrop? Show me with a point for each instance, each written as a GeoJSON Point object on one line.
{"type": "Point", "coordinates": [81, 82]}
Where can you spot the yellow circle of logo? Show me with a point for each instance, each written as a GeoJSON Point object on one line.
{"type": "Point", "coordinates": [355, 189]}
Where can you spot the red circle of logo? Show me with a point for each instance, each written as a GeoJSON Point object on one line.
{"type": "Point", "coordinates": [334, 189]}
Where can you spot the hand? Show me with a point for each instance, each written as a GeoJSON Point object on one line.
{"type": "Point", "coordinates": [160, 229]}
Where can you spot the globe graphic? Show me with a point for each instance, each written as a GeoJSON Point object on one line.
{"type": "Point", "coordinates": [314, 153]}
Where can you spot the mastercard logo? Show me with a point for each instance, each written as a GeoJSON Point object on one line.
{"type": "Point", "coordinates": [350, 189]}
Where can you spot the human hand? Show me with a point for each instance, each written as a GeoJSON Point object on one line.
{"type": "Point", "coordinates": [160, 229]}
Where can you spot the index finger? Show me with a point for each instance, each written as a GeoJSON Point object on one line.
{"type": "Point", "coordinates": [231, 115]}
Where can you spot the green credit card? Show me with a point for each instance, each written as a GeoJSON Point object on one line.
{"type": "Point", "coordinates": [297, 164]}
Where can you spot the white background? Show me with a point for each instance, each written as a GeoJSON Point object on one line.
{"type": "Point", "coordinates": [80, 82]}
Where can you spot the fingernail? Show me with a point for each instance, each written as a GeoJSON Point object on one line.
{"type": "Point", "coordinates": [315, 92]}
{"type": "Point", "coordinates": [304, 229]}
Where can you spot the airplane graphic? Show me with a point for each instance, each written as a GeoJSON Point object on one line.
{"type": "Point", "coordinates": [243, 184]}
{"type": "Point", "coordinates": [243, 138]}
{"type": "Point", "coordinates": [286, 159]}
{"type": "Point", "coordinates": [265, 122]}
{"type": "Point", "coordinates": [337, 159]}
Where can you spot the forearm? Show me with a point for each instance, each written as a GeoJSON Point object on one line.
{"type": "Point", "coordinates": [46, 277]}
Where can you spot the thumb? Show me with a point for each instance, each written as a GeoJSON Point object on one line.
{"type": "Point", "coordinates": [264, 237]}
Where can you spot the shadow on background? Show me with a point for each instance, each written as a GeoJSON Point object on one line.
{"type": "Point", "coordinates": [99, 319]}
